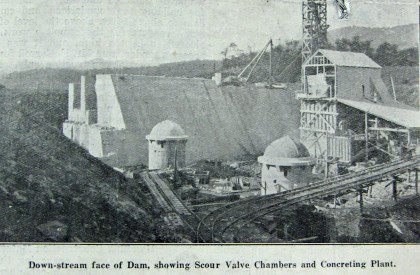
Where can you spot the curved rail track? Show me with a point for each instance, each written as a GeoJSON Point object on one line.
{"type": "Point", "coordinates": [234, 216]}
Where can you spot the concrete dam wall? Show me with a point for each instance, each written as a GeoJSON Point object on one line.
{"type": "Point", "coordinates": [221, 121]}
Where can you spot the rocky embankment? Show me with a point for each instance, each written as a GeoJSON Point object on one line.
{"type": "Point", "coordinates": [53, 190]}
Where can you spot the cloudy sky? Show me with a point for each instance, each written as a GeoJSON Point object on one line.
{"type": "Point", "coordinates": [159, 31]}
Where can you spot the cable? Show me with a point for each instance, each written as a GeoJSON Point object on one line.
{"type": "Point", "coordinates": [388, 220]}
{"type": "Point", "coordinates": [290, 64]}
{"type": "Point", "coordinates": [364, 2]}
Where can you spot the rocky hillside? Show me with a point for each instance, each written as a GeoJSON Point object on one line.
{"type": "Point", "coordinates": [53, 190]}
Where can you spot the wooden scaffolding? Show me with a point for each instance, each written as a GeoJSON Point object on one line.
{"type": "Point", "coordinates": [319, 114]}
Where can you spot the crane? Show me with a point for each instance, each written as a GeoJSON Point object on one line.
{"type": "Point", "coordinates": [255, 61]}
{"type": "Point", "coordinates": [314, 32]}
{"type": "Point", "coordinates": [314, 26]}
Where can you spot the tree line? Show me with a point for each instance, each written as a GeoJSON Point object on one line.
{"type": "Point", "coordinates": [386, 54]}
{"type": "Point", "coordinates": [286, 58]}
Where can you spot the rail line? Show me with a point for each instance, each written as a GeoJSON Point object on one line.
{"type": "Point", "coordinates": [172, 205]}
{"type": "Point", "coordinates": [243, 212]}
{"type": "Point", "coordinates": [155, 192]}
{"type": "Point", "coordinates": [169, 194]}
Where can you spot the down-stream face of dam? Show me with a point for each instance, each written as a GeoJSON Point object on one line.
{"type": "Point", "coordinates": [221, 122]}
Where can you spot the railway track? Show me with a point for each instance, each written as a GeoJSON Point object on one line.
{"type": "Point", "coordinates": [231, 218]}
{"type": "Point", "coordinates": [171, 204]}
{"type": "Point", "coordinates": [166, 192]}
{"type": "Point", "coordinates": [155, 192]}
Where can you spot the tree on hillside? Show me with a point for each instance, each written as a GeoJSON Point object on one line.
{"type": "Point", "coordinates": [389, 55]}
{"type": "Point", "coordinates": [355, 45]}
{"type": "Point", "coordinates": [286, 62]}
{"type": "Point", "coordinates": [408, 57]}
{"type": "Point", "coordinates": [386, 54]}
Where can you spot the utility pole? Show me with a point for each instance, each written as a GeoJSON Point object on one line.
{"type": "Point", "coordinates": [393, 88]}
{"type": "Point", "coordinates": [394, 187]}
{"type": "Point", "coordinates": [366, 138]}
{"type": "Point", "coordinates": [176, 167]}
{"type": "Point", "coordinates": [270, 80]}
{"type": "Point", "coordinates": [327, 152]}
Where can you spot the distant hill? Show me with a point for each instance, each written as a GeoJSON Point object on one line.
{"type": "Point", "coordinates": [41, 79]}
{"type": "Point", "coordinates": [58, 79]}
{"type": "Point", "coordinates": [286, 62]}
{"type": "Point", "coordinates": [405, 36]}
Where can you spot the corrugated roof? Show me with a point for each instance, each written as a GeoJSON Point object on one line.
{"type": "Point", "coordinates": [399, 116]}
{"type": "Point", "coordinates": [349, 59]}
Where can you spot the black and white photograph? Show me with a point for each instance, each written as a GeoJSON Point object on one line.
{"type": "Point", "coordinates": [209, 122]}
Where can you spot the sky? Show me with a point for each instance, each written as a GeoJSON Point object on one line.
{"type": "Point", "coordinates": [150, 32]}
